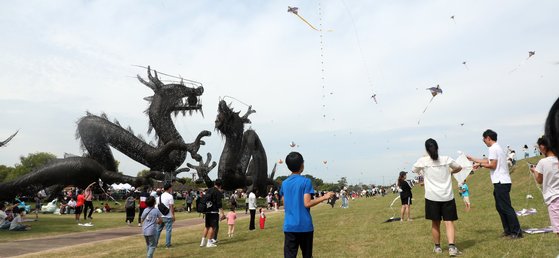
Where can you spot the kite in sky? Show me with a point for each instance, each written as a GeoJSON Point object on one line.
{"type": "Point", "coordinates": [374, 97]}
{"type": "Point", "coordinates": [452, 18]}
{"type": "Point", "coordinates": [530, 54]}
{"type": "Point", "coordinates": [434, 92]}
{"type": "Point", "coordinates": [292, 144]}
{"type": "Point", "coordinates": [465, 65]}
{"type": "Point", "coordinates": [295, 10]}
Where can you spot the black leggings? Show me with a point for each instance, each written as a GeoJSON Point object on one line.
{"type": "Point", "coordinates": [88, 204]}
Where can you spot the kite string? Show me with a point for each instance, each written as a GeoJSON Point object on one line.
{"type": "Point", "coordinates": [323, 81]}
{"type": "Point", "coordinates": [236, 100]}
{"type": "Point", "coordinates": [431, 100]}
{"type": "Point", "coordinates": [365, 64]}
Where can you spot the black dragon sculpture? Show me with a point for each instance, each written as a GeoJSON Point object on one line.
{"type": "Point", "coordinates": [243, 161]}
{"type": "Point", "coordinates": [98, 134]}
{"type": "Point", "coordinates": [5, 142]}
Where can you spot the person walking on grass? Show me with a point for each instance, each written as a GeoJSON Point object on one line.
{"type": "Point", "coordinates": [296, 192]}
{"type": "Point", "coordinates": [231, 218]}
{"type": "Point", "coordinates": [142, 205]}
{"type": "Point", "coordinates": [252, 209]}
{"type": "Point", "coordinates": [213, 199]}
{"type": "Point", "coordinates": [88, 204]}
{"type": "Point", "coordinates": [130, 206]}
{"type": "Point", "coordinates": [166, 199]}
{"type": "Point", "coordinates": [150, 217]}
{"type": "Point", "coordinates": [262, 218]}
{"type": "Point", "coordinates": [79, 205]}
{"type": "Point", "coordinates": [439, 198]}
{"type": "Point", "coordinates": [500, 177]}
{"type": "Point", "coordinates": [465, 192]}
{"type": "Point", "coordinates": [405, 196]}
{"type": "Point", "coordinates": [546, 173]}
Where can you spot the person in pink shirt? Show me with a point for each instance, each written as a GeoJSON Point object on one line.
{"type": "Point", "coordinates": [88, 195]}
{"type": "Point", "coordinates": [231, 217]}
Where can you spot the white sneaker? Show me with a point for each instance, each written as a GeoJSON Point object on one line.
{"type": "Point", "coordinates": [210, 244]}
{"type": "Point", "coordinates": [203, 243]}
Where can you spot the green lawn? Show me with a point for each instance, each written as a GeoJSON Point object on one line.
{"type": "Point", "coordinates": [359, 231]}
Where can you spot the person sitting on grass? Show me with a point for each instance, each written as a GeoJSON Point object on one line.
{"type": "Point", "coordinates": [17, 224]}
{"type": "Point", "coordinates": [4, 220]}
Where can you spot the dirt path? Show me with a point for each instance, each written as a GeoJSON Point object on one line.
{"type": "Point", "coordinates": [29, 246]}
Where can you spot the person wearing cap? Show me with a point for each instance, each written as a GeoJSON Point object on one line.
{"type": "Point", "coordinates": [439, 198]}
{"type": "Point", "coordinates": [167, 220]}
{"type": "Point", "coordinates": [405, 196]}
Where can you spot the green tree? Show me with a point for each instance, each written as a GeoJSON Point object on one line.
{"type": "Point", "coordinates": [316, 182]}
{"type": "Point", "coordinates": [342, 182]}
{"type": "Point", "coordinates": [29, 163]}
{"type": "Point", "coordinates": [4, 172]}
{"type": "Point", "coordinates": [142, 173]}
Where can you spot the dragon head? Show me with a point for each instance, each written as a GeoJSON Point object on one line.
{"type": "Point", "coordinates": [228, 122]}
{"type": "Point", "coordinates": [172, 98]}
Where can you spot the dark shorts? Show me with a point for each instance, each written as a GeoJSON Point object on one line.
{"type": "Point", "coordinates": [437, 210]}
{"type": "Point", "coordinates": [406, 200]}
{"type": "Point", "coordinates": [211, 220]}
{"type": "Point", "coordinates": [78, 210]}
{"type": "Point", "coordinates": [295, 240]}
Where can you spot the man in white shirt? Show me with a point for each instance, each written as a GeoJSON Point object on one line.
{"type": "Point", "coordinates": [500, 177]}
{"type": "Point", "coordinates": [167, 219]}
{"type": "Point", "coordinates": [252, 209]}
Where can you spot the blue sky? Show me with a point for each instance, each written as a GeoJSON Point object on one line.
{"type": "Point", "coordinates": [60, 59]}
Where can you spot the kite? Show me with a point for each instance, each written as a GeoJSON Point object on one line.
{"type": "Point", "coordinates": [434, 92]}
{"type": "Point", "coordinates": [461, 124]}
{"type": "Point", "coordinates": [466, 168]}
{"type": "Point", "coordinates": [292, 144]}
{"type": "Point", "coordinates": [393, 218]}
{"type": "Point", "coordinates": [374, 97]}
{"type": "Point", "coordinates": [452, 18]}
{"type": "Point", "coordinates": [295, 10]}
{"type": "Point", "coordinates": [530, 54]}
{"type": "Point", "coordinates": [526, 212]}
{"type": "Point", "coordinates": [325, 162]}
{"type": "Point", "coordinates": [538, 230]}
{"type": "Point", "coordinates": [280, 161]}
{"type": "Point", "coordinates": [465, 65]}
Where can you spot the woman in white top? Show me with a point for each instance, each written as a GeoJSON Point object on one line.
{"type": "Point", "coordinates": [547, 174]}
{"type": "Point", "coordinates": [439, 198]}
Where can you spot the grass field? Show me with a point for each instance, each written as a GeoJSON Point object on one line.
{"type": "Point", "coordinates": [354, 232]}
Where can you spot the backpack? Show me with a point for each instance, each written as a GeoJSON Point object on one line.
{"type": "Point", "coordinates": [162, 208]}
{"type": "Point", "coordinates": [205, 204]}
{"type": "Point", "coordinates": [129, 203]}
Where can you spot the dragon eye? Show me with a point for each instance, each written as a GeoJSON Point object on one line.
{"type": "Point", "coordinates": [192, 100]}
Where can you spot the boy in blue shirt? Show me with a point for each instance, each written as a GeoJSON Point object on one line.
{"type": "Point", "coordinates": [296, 192]}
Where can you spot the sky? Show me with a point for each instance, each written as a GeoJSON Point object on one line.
{"type": "Point", "coordinates": [60, 59]}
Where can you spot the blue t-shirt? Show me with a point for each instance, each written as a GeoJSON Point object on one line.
{"type": "Point", "coordinates": [149, 217]}
{"type": "Point", "coordinates": [466, 190]}
{"type": "Point", "coordinates": [297, 216]}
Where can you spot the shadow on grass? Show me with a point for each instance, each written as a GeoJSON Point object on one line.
{"type": "Point", "coordinates": [467, 244]}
